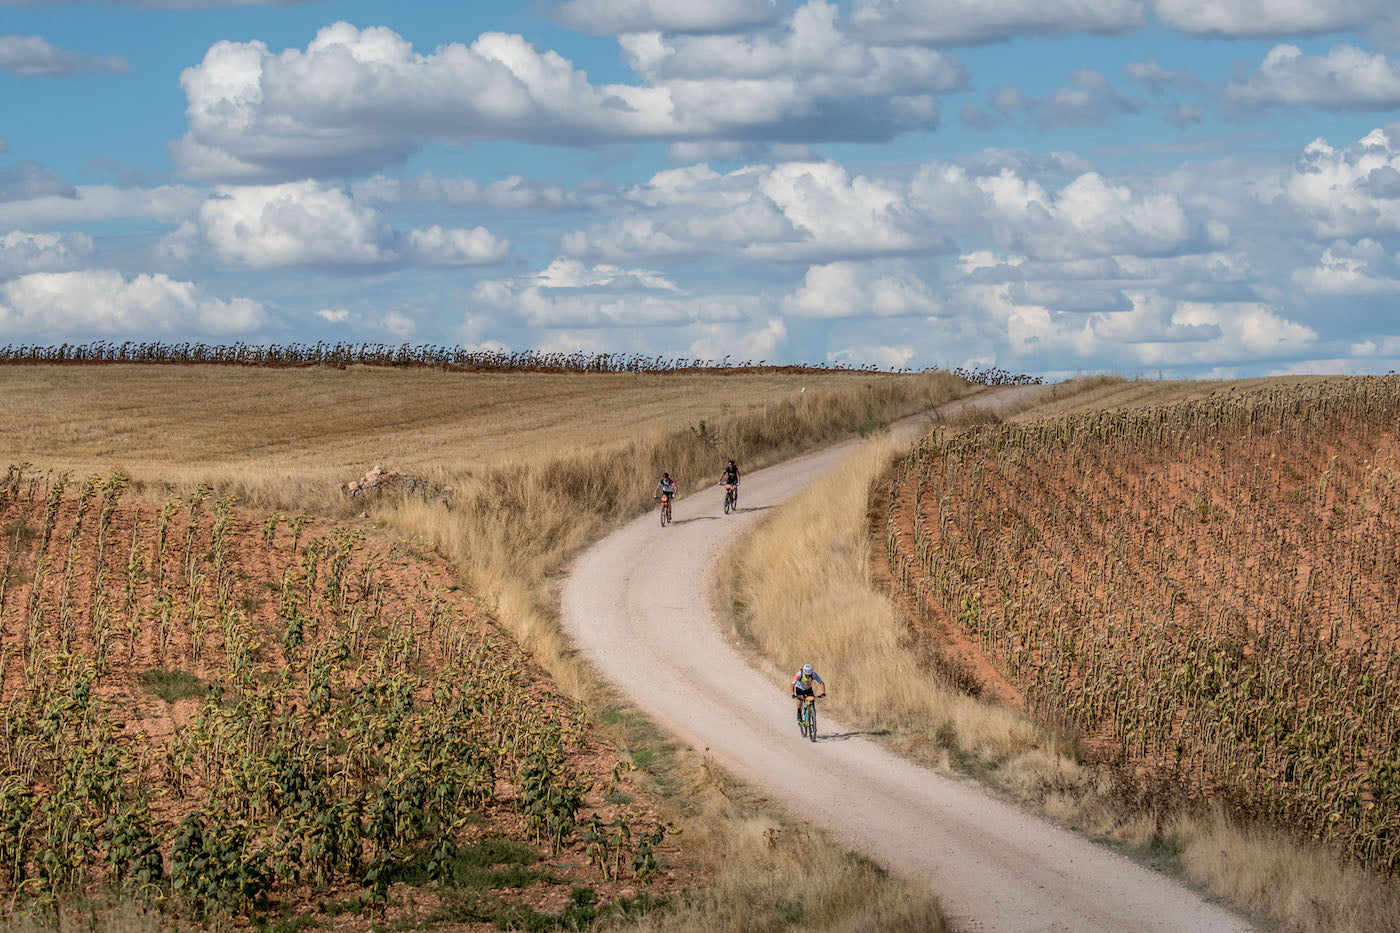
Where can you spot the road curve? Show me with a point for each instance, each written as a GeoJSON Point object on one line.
{"type": "Point", "coordinates": [639, 606]}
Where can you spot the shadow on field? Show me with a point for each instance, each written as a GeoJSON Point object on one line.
{"type": "Point", "coordinates": [843, 736]}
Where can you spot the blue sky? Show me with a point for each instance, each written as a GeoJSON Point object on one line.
{"type": "Point", "coordinates": [1173, 187]}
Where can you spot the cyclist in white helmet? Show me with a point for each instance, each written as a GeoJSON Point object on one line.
{"type": "Point", "coordinates": [803, 684]}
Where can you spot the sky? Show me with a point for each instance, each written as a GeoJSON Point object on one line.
{"type": "Point", "coordinates": [1158, 188]}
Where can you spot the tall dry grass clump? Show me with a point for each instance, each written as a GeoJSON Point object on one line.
{"type": "Point", "coordinates": [801, 584]}
{"type": "Point", "coordinates": [769, 875]}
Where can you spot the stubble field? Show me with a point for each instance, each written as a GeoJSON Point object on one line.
{"type": "Point", "coordinates": [292, 428]}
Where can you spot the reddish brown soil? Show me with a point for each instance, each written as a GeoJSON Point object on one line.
{"type": "Point", "coordinates": [1043, 579]}
{"type": "Point", "coordinates": [942, 645]}
{"type": "Point", "coordinates": [417, 588]}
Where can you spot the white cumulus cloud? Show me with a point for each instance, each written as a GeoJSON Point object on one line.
{"type": "Point", "coordinates": [570, 273]}
{"type": "Point", "coordinates": [358, 99]}
{"type": "Point", "coordinates": [1362, 268]}
{"type": "Point", "coordinates": [740, 342]}
{"type": "Point", "coordinates": [31, 55]}
{"type": "Point", "coordinates": [308, 223]}
{"type": "Point", "coordinates": [573, 295]}
{"type": "Point", "coordinates": [848, 289]}
{"type": "Point", "coordinates": [884, 356]}
{"type": "Point", "coordinates": [294, 224]}
{"type": "Point", "coordinates": [22, 252]}
{"type": "Point", "coordinates": [1090, 216]}
{"type": "Point", "coordinates": [38, 204]}
{"type": "Point", "coordinates": [1262, 18]}
{"type": "Point", "coordinates": [436, 246]}
{"type": "Point", "coordinates": [104, 302]}
{"type": "Point", "coordinates": [1346, 78]}
{"type": "Point", "coordinates": [793, 210]}
{"type": "Point", "coordinates": [812, 50]}
{"type": "Point", "coordinates": [1349, 192]}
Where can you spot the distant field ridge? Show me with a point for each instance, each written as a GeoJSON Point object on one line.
{"type": "Point", "coordinates": [436, 356]}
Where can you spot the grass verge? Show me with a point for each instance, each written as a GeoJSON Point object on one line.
{"type": "Point", "coordinates": [766, 872]}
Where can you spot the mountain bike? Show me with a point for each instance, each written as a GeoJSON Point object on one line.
{"type": "Point", "coordinates": [731, 498]}
{"type": "Point", "coordinates": [665, 510]}
{"type": "Point", "coordinates": [807, 717]}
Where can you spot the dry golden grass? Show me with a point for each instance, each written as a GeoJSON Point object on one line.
{"type": "Point", "coordinates": [109, 915]}
{"type": "Point", "coordinates": [770, 874]}
{"type": "Point", "coordinates": [324, 425]}
{"type": "Point", "coordinates": [511, 528]}
{"type": "Point", "coordinates": [801, 588]}
{"type": "Point", "coordinates": [802, 583]}
{"type": "Point", "coordinates": [541, 465]}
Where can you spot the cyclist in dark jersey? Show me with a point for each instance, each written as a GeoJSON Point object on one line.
{"type": "Point", "coordinates": [730, 477]}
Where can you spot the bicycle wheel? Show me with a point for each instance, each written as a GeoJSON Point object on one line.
{"type": "Point", "coordinates": [726, 502]}
{"type": "Point", "coordinates": [812, 721]}
{"type": "Point", "coordinates": [802, 720]}
{"type": "Point", "coordinates": [665, 512]}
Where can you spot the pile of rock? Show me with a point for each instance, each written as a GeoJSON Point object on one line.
{"type": "Point", "coordinates": [380, 482]}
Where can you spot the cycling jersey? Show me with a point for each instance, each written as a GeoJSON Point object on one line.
{"type": "Point", "coordinates": [667, 487]}
{"type": "Point", "coordinates": [805, 683]}
{"type": "Point", "coordinates": [731, 475]}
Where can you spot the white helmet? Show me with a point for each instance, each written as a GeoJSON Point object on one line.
{"type": "Point", "coordinates": [806, 670]}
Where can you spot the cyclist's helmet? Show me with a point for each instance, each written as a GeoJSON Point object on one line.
{"type": "Point", "coordinates": [665, 475]}
{"type": "Point", "coordinates": [806, 670]}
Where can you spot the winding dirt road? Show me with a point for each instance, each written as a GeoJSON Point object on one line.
{"type": "Point", "coordinates": [639, 605]}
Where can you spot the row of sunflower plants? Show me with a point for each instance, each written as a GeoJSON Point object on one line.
{"type": "Point", "coordinates": [214, 713]}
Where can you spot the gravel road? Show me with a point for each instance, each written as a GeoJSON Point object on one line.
{"type": "Point", "coordinates": [639, 605]}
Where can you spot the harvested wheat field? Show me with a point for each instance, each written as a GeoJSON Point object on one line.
{"type": "Point", "coordinates": [257, 715]}
{"type": "Point", "coordinates": [1205, 592]}
{"type": "Point", "coordinates": [254, 425]}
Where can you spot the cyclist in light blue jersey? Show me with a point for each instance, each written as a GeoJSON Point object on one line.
{"type": "Point", "coordinates": [803, 684]}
